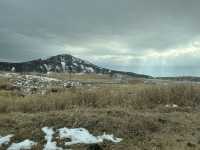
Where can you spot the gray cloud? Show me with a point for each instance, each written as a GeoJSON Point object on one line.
{"type": "Point", "coordinates": [107, 32]}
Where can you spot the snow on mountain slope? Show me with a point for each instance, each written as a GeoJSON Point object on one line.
{"type": "Point", "coordinates": [61, 63]}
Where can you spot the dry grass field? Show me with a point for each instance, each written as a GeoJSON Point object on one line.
{"type": "Point", "coordinates": [146, 116]}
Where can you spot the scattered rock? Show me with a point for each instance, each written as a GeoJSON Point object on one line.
{"type": "Point", "coordinates": [32, 84]}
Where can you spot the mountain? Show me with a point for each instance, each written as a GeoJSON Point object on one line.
{"type": "Point", "coordinates": [61, 63]}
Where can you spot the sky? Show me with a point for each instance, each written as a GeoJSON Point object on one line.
{"type": "Point", "coordinates": [154, 37]}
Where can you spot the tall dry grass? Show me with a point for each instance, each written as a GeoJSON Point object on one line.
{"type": "Point", "coordinates": [122, 96]}
{"type": "Point", "coordinates": [179, 94]}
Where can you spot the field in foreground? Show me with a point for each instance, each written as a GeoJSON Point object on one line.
{"type": "Point", "coordinates": [147, 116]}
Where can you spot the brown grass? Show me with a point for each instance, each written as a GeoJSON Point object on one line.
{"type": "Point", "coordinates": [127, 96]}
{"type": "Point", "coordinates": [180, 94]}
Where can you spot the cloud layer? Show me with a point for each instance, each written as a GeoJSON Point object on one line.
{"type": "Point", "coordinates": [152, 37]}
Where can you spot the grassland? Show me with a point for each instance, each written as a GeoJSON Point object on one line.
{"type": "Point", "coordinates": [134, 111]}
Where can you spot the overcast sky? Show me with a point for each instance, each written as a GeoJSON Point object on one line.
{"type": "Point", "coordinates": [155, 37]}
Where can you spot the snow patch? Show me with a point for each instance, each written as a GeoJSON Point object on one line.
{"type": "Point", "coordinates": [49, 133]}
{"type": "Point", "coordinates": [13, 69]}
{"type": "Point", "coordinates": [47, 67]}
{"type": "Point", "coordinates": [75, 64]}
{"type": "Point", "coordinates": [63, 65]}
{"type": "Point", "coordinates": [5, 140]}
{"type": "Point", "coordinates": [76, 136]}
{"type": "Point", "coordinates": [82, 136]}
{"type": "Point", "coordinates": [49, 137]}
{"type": "Point", "coordinates": [89, 69]}
{"type": "Point", "coordinates": [82, 67]}
{"type": "Point", "coordinates": [25, 145]}
{"type": "Point", "coordinates": [110, 138]}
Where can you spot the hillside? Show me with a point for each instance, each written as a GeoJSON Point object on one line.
{"type": "Point", "coordinates": [61, 63]}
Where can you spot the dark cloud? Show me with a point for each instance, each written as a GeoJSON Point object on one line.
{"type": "Point", "coordinates": [101, 30]}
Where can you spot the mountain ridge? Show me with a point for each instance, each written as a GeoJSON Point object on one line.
{"type": "Point", "coordinates": [61, 63]}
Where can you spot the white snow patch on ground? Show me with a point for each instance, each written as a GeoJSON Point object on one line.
{"type": "Point", "coordinates": [5, 140]}
{"type": "Point", "coordinates": [76, 136]}
{"type": "Point", "coordinates": [49, 133]}
{"type": "Point", "coordinates": [49, 137]}
{"type": "Point", "coordinates": [109, 137]}
{"type": "Point", "coordinates": [25, 145]}
{"type": "Point", "coordinates": [82, 136]}
{"type": "Point", "coordinates": [51, 146]}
